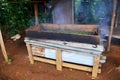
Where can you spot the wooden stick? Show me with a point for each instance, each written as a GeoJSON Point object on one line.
{"type": "Point", "coordinates": [59, 59]}
{"type": "Point", "coordinates": [36, 13]}
{"type": "Point", "coordinates": [3, 47]}
{"type": "Point", "coordinates": [95, 67]}
{"type": "Point", "coordinates": [112, 24]}
{"type": "Point", "coordinates": [30, 53]}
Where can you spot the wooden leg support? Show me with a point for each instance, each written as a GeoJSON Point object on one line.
{"type": "Point", "coordinates": [59, 59]}
{"type": "Point", "coordinates": [95, 67]}
{"type": "Point", "coordinates": [30, 53]}
{"type": "Point", "coordinates": [3, 47]}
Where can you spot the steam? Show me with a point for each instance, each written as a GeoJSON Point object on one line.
{"type": "Point", "coordinates": [103, 9]}
{"type": "Point", "coordinates": [58, 12]}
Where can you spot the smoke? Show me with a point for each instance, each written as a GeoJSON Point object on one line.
{"type": "Point", "coordinates": [103, 10]}
{"type": "Point", "coordinates": [58, 11]}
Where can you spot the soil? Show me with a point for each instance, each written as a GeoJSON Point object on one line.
{"type": "Point", "coordinates": [21, 69]}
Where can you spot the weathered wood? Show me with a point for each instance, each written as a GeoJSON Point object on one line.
{"type": "Point", "coordinates": [3, 47]}
{"type": "Point", "coordinates": [95, 67]}
{"type": "Point", "coordinates": [30, 53]}
{"type": "Point", "coordinates": [44, 60]}
{"type": "Point", "coordinates": [112, 24]}
{"type": "Point", "coordinates": [116, 36]}
{"type": "Point", "coordinates": [36, 13]}
{"type": "Point", "coordinates": [79, 67]}
{"type": "Point", "coordinates": [58, 59]}
{"type": "Point", "coordinates": [38, 50]}
{"type": "Point", "coordinates": [75, 27]}
{"type": "Point", "coordinates": [74, 66]}
{"type": "Point", "coordinates": [86, 28]}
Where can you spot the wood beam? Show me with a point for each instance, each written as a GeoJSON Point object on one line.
{"type": "Point", "coordinates": [3, 47]}
{"type": "Point", "coordinates": [36, 13]}
{"type": "Point", "coordinates": [112, 24]}
{"type": "Point", "coordinates": [30, 53]}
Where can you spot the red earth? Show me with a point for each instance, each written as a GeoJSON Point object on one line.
{"type": "Point", "coordinates": [21, 69]}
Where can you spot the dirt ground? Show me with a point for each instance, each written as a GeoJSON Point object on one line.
{"type": "Point", "coordinates": [21, 69]}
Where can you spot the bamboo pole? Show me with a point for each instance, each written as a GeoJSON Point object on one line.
{"type": "Point", "coordinates": [3, 47]}
{"type": "Point", "coordinates": [36, 13]}
{"type": "Point", "coordinates": [112, 24]}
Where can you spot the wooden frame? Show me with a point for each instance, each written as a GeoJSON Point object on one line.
{"type": "Point", "coordinates": [3, 47]}
{"type": "Point", "coordinates": [95, 69]}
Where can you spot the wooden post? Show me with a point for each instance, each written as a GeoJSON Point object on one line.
{"type": "Point", "coordinates": [112, 24]}
{"type": "Point", "coordinates": [45, 5]}
{"type": "Point", "coordinates": [58, 59]}
{"type": "Point", "coordinates": [3, 47]}
{"type": "Point", "coordinates": [30, 53]}
{"type": "Point", "coordinates": [73, 12]}
{"type": "Point", "coordinates": [95, 67]}
{"type": "Point", "coordinates": [36, 13]}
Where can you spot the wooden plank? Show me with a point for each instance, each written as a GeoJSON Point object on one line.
{"type": "Point", "coordinates": [3, 47]}
{"type": "Point", "coordinates": [76, 27]}
{"type": "Point", "coordinates": [79, 67]}
{"type": "Point", "coordinates": [30, 53]}
{"type": "Point", "coordinates": [112, 24]}
{"type": "Point", "coordinates": [95, 67]}
{"type": "Point", "coordinates": [59, 59]}
{"type": "Point", "coordinates": [44, 60]}
{"type": "Point", "coordinates": [116, 36]}
{"type": "Point", "coordinates": [36, 13]}
{"type": "Point", "coordinates": [69, 65]}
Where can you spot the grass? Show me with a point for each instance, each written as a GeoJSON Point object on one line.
{"type": "Point", "coordinates": [9, 60]}
{"type": "Point", "coordinates": [68, 32]}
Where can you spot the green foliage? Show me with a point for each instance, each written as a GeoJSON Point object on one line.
{"type": "Point", "coordinates": [15, 17]}
{"type": "Point", "coordinates": [9, 60]}
{"type": "Point", "coordinates": [90, 11]}
{"type": "Point", "coordinates": [68, 32]}
{"type": "Point", "coordinates": [41, 18]}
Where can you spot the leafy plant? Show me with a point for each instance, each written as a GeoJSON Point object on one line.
{"type": "Point", "coordinates": [15, 17]}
